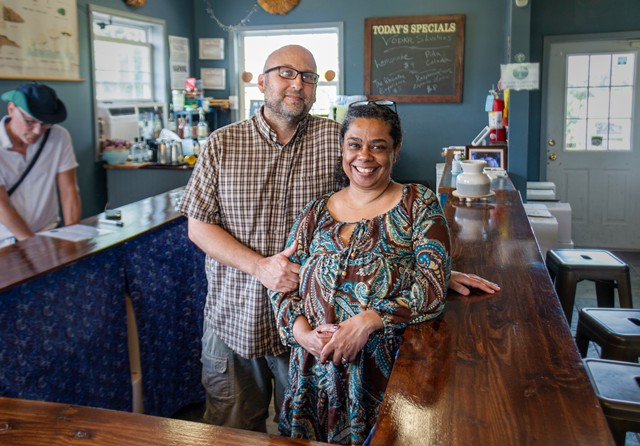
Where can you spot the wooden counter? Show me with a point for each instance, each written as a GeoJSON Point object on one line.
{"type": "Point", "coordinates": [32, 423]}
{"type": "Point", "coordinates": [39, 255]}
{"type": "Point", "coordinates": [493, 370]}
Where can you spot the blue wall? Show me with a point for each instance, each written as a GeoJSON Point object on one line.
{"type": "Point", "coordinates": [427, 127]}
{"type": "Point", "coordinates": [495, 30]}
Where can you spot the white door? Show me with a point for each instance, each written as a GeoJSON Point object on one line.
{"type": "Point", "coordinates": [592, 139]}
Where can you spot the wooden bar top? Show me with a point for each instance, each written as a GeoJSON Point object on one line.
{"type": "Point", "coordinates": [147, 165]}
{"type": "Point", "coordinates": [29, 423]}
{"type": "Point", "coordinates": [36, 256]}
{"type": "Point", "coordinates": [494, 370]}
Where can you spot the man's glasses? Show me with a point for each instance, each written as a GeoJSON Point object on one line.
{"type": "Point", "coordinates": [31, 123]}
{"type": "Point", "coordinates": [308, 77]}
{"type": "Point", "coordinates": [379, 103]}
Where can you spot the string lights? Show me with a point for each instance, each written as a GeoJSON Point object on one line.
{"type": "Point", "coordinates": [242, 22]}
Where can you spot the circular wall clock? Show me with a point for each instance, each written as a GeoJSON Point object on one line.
{"type": "Point", "coordinates": [135, 3]}
{"type": "Point", "coordinates": [278, 6]}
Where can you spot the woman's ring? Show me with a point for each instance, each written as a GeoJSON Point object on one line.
{"type": "Point", "coordinates": [345, 361]}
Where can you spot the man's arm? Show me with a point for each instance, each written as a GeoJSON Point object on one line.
{"type": "Point", "coordinates": [11, 219]}
{"type": "Point", "coordinates": [276, 272]}
{"type": "Point", "coordinates": [69, 196]}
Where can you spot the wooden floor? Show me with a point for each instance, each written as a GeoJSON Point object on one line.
{"type": "Point", "coordinates": [586, 297]}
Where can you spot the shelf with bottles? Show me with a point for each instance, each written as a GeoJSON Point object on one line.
{"type": "Point", "coordinates": [192, 118]}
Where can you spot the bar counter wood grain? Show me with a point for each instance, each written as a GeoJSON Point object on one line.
{"type": "Point", "coordinates": [40, 255]}
{"type": "Point", "coordinates": [493, 370]}
{"type": "Point", "coordinates": [33, 423]}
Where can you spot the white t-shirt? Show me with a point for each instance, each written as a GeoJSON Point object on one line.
{"type": "Point", "coordinates": [36, 199]}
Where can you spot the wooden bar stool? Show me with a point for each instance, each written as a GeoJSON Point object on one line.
{"type": "Point", "coordinates": [617, 386]}
{"type": "Point", "coordinates": [570, 266]}
{"type": "Point", "coordinates": [616, 330]}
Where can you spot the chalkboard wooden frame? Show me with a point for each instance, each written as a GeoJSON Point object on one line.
{"type": "Point", "coordinates": [391, 69]}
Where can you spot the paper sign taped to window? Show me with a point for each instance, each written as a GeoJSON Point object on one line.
{"type": "Point", "coordinates": [520, 76]}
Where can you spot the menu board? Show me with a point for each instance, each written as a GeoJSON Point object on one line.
{"type": "Point", "coordinates": [39, 40]}
{"type": "Point", "coordinates": [414, 59]}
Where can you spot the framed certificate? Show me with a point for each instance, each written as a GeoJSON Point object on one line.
{"type": "Point", "coordinates": [211, 49]}
{"type": "Point", "coordinates": [213, 78]}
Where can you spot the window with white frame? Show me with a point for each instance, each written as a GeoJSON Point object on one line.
{"type": "Point", "coordinates": [599, 101]}
{"type": "Point", "coordinates": [128, 56]}
{"type": "Point", "coordinates": [253, 45]}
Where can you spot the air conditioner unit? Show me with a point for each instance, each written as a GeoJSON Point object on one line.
{"type": "Point", "coordinates": [118, 121]}
{"type": "Point", "coordinates": [121, 120]}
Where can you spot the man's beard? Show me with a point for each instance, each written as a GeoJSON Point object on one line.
{"type": "Point", "coordinates": [296, 113]}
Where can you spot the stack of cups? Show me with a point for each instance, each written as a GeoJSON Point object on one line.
{"type": "Point", "coordinates": [497, 132]}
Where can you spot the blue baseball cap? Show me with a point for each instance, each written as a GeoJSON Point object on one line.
{"type": "Point", "coordinates": [38, 101]}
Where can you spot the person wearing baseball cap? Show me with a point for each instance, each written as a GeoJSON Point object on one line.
{"type": "Point", "coordinates": [37, 163]}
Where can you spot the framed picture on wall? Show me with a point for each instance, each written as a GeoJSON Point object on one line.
{"type": "Point", "coordinates": [213, 78]}
{"type": "Point", "coordinates": [39, 40]}
{"type": "Point", "coordinates": [255, 106]}
{"type": "Point", "coordinates": [495, 155]}
{"type": "Point", "coordinates": [211, 49]}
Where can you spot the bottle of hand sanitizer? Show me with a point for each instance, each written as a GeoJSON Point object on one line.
{"type": "Point", "coordinates": [456, 168]}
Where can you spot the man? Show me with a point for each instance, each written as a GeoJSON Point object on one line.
{"type": "Point", "coordinates": [33, 110]}
{"type": "Point", "coordinates": [251, 181]}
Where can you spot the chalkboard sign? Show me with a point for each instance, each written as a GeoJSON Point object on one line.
{"type": "Point", "coordinates": [414, 59]}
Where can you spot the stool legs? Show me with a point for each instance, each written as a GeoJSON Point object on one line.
{"type": "Point", "coordinates": [582, 339]}
{"type": "Point", "coordinates": [605, 293]}
{"type": "Point", "coordinates": [619, 429]}
{"type": "Point", "coordinates": [624, 292]}
{"type": "Point", "coordinates": [566, 284]}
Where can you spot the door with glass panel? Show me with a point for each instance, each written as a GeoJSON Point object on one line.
{"type": "Point", "coordinates": [592, 139]}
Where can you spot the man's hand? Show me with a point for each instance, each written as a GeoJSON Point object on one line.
{"type": "Point", "coordinates": [277, 273]}
{"type": "Point", "coordinates": [461, 282]}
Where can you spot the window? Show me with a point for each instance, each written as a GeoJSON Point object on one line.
{"type": "Point", "coordinates": [599, 101]}
{"type": "Point", "coordinates": [128, 56]}
{"type": "Point", "coordinates": [253, 45]}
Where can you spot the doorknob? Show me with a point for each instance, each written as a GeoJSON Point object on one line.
{"type": "Point", "coordinates": [553, 156]}
{"type": "Point", "coordinates": [551, 142]}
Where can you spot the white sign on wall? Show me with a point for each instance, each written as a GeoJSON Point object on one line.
{"type": "Point", "coordinates": [520, 76]}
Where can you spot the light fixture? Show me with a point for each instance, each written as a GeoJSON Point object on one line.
{"type": "Point", "coordinates": [521, 3]}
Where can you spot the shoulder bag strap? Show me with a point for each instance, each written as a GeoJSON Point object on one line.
{"type": "Point", "coordinates": [33, 161]}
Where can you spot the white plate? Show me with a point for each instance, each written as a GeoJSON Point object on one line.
{"type": "Point", "coordinates": [456, 194]}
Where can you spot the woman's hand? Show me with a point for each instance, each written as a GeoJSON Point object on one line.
{"type": "Point", "coordinates": [461, 282]}
{"type": "Point", "coordinates": [351, 337]}
{"type": "Point", "coordinates": [312, 340]}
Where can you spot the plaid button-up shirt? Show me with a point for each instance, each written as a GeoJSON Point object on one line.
{"type": "Point", "coordinates": [254, 188]}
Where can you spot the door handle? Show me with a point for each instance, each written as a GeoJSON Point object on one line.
{"type": "Point", "coordinates": [553, 156]}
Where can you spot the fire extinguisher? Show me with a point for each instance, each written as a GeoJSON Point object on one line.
{"type": "Point", "coordinates": [497, 131]}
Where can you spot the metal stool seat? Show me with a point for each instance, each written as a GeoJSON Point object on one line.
{"type": "Point", "coordinates": [616, 330]}
{"type": "Point", "coordinates": [570, 266]}
{"type": "Point", "coordinates": [617, 386]}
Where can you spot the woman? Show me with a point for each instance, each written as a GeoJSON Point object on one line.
{"type": "Point", "coordinates": [374, 257]}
